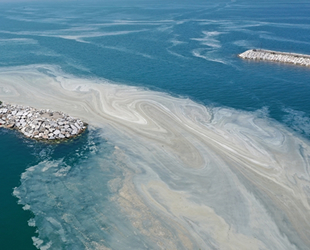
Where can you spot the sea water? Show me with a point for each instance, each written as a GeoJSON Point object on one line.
{"type": "Point", "coordinates": [188, 146]}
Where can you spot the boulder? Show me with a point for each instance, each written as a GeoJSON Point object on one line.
{"type": "Point", "coordinates": [61, 136]}
{"type": "Point", "coordinates": [57, 132]}
{"type": "Point", "coordinates": [28, 129]}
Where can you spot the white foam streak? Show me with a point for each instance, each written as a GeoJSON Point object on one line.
{"type": "Point", "coordinates": [134, 23]}
{"type": "Point", "coordinates": [122, 49]}
{"type": "Point", "coordinates": [207, 55]}
{"type": "Point", "coordinates": [77, 34]}
{"type": "Point", "coordinates": [209, 39]}
{"type": "Point", "coordinates": [17, 41]}
{"type": "Point", "coordinates": [176, 54]}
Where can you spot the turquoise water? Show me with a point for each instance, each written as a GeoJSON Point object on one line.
{"type": "Point", "coordinates": [187, 50]}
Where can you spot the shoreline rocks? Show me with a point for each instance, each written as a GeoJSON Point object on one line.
{"type": "Point", "coordinates": [275, 56]}
{"type": "Point", "coordinates": [41, 124]}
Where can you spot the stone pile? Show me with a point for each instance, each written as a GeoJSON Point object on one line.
{"type": "Point", "coordinates": [274, 56]}
{"type": "Point", "coordinates": [40, 124]}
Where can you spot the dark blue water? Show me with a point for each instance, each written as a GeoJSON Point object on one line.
{"type": "Point", "coordinates": [185, 49]}
{"type": "Point", "coordinates": [13, 218]}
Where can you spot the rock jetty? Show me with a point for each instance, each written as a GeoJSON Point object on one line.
{"type": "Point", "coordinates": [41, 124]}
{"type": "Point", "coordinates": [274, 56]}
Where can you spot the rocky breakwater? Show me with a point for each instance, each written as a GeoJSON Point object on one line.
{"type": "Point", "coordinates": [41, 124]}
{"type": "Point", "coordinates": [275, 56]}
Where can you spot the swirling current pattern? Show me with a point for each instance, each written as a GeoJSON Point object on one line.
{"type": "Point", "coordinates": [185, 176]}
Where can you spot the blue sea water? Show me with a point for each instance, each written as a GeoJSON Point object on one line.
{"type": "Point", "coordinates": [186, 49]}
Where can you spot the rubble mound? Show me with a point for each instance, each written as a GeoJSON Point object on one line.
{"type": "Point", "coordinates": [41, 124]}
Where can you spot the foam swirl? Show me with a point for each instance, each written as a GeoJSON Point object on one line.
{"type": "Point", "coordinates": [193, 176]}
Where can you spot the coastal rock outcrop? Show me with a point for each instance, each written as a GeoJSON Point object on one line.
{"type": "Point", "coordinates": [41, 124]}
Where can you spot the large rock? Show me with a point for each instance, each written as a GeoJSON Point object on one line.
{"type": "Point", "coordinates": [56, 132]}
